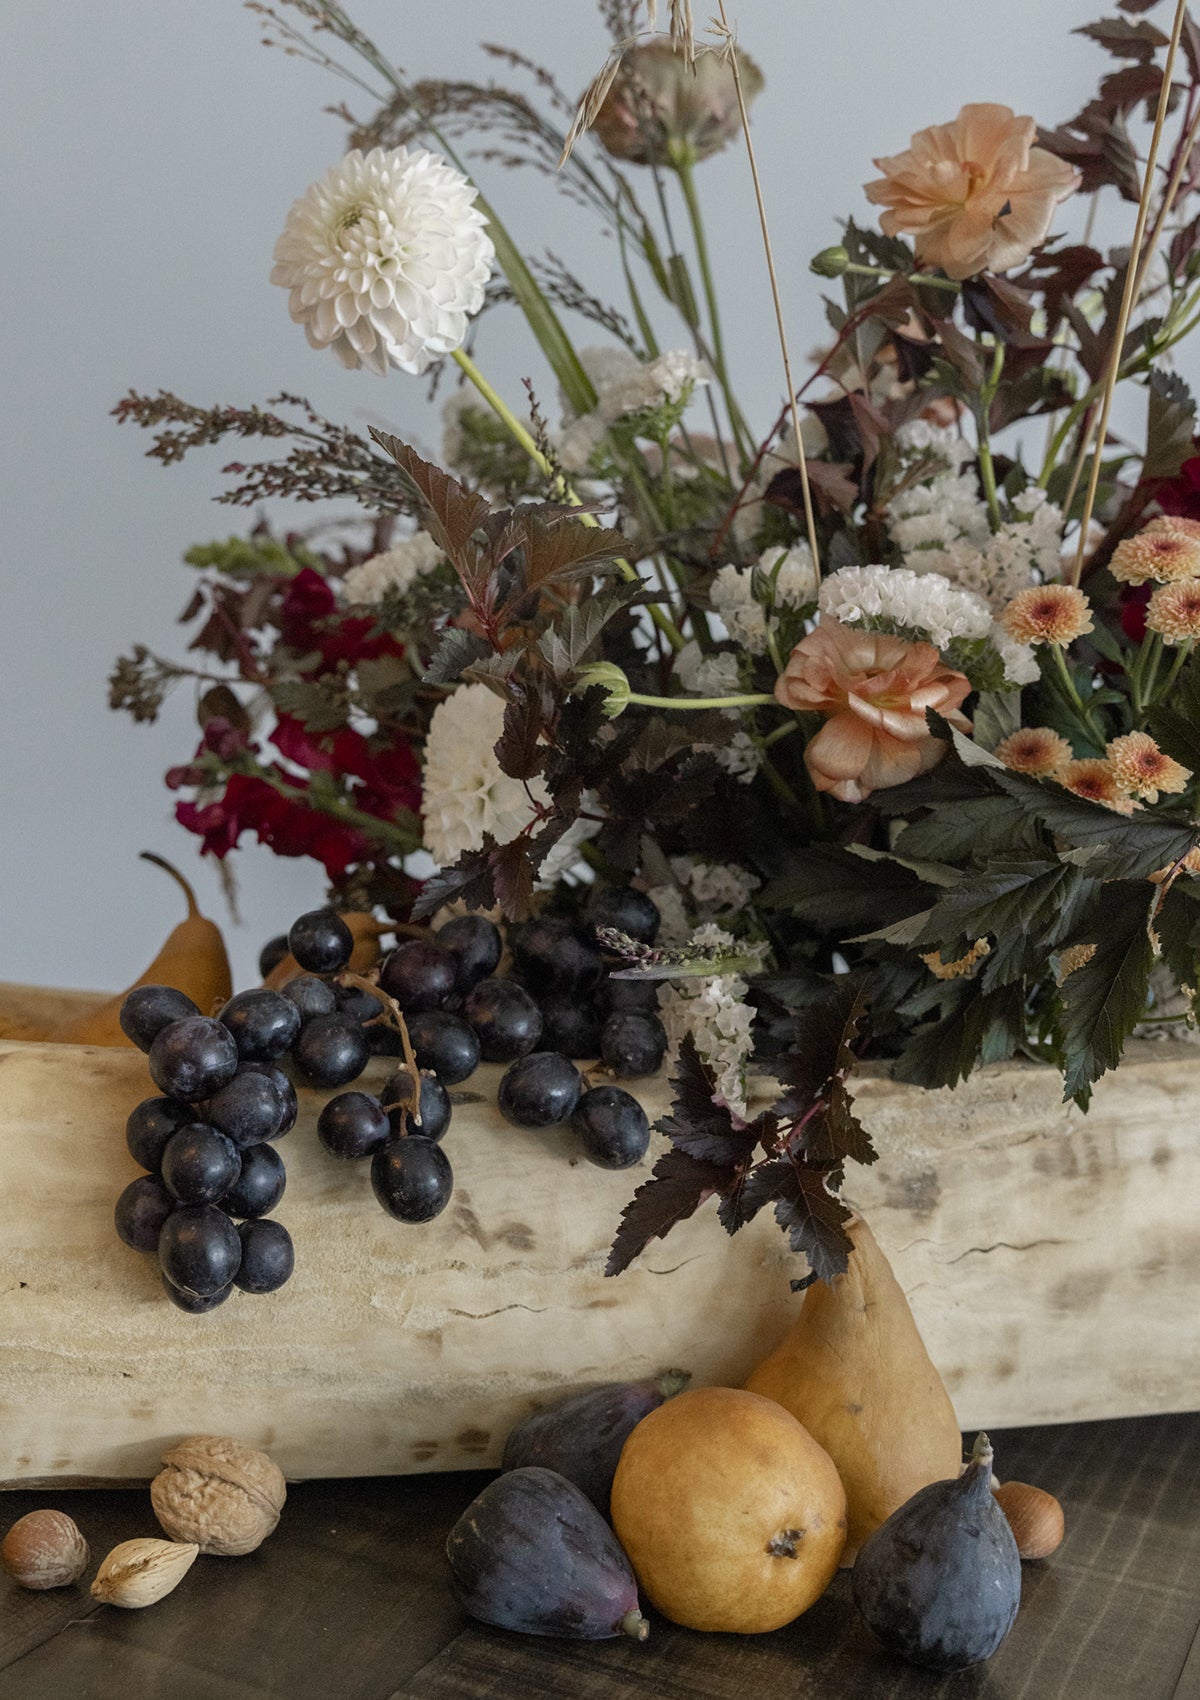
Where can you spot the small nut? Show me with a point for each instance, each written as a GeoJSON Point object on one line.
{"type": "Point", "coordinates": [224, 1496]}
{"type": "Point", "coordinates": [138, 1573]}
{"type": "Point", "coordinates": [1034, 1516]}
{"type": "Point", "coordinates": [44, 1550]}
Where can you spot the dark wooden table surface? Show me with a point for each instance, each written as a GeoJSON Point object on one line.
{"type": "Point", "coordinates": [348, 1601]}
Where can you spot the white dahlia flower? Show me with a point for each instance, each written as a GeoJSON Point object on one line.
{"type": "Point", "coordinates": [394, 571]}
{"type": "Point", "coordinates": [466, 793]}
{"type": "Point", "coordinates": [386, 258]}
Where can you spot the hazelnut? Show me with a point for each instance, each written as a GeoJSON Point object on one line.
{"type": "Point", "coordinates": [44, 1550]}
{"type": "Point", "coordinates": [1034, 1516]}
{"type": "Point", "coordinates": [138, 1573]}
{"type": "Point", "coordinates": [224, 1496]}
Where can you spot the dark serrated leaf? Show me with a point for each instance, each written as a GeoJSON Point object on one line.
{"type": "Point", "coordinates": [1104, 998]}
{"type": "Point", "coordinates": [678, 1185]}
{"type": "Point", "coordinates": [456, 651]}
{"type": "Point", "coordinates": [468, 880]}
{"type": "Point", "coordinates": [1135, 845]}
{"type": "Point", "coordinates": [1124, 40]}
{"type": "Point", "coordinates": [1170, 425]}
{"type": "Point", "coordinates": [452, 512]}
{"type": "Point", "coordinates": [833, 890]}
{"type": "Point", "coordinates": [561, 550]}
{"type": "Point", "coordinates": [695, 1123]}
{"type": "Point", "coordinates": [1177, 924]}
{"type": "Point", "coordinates": [514, 870]}
{"type": "Point", "coordinates": [971, 1020]}
{"type": "Point", "coordinates": [969, 829]}
{"type": "Point", "coordinates": [565, 644]}
{"type": "Point", "coordinates": [521, 749]}
{"type": "Point", "coordinates": [1007, 893]}
{"type": "Point", "coordinates": [815, 1222]}
{"type": "Point", "coordinates": [1175, 723]}
{"type": "Point", "coordinates": [320, 708]}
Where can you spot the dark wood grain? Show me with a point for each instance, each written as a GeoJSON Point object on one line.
{"type": "Point", "coordinates": [348, 1601]}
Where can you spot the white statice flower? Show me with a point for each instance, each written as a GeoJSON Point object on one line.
{"type": "Point", "coordinates": [578, 441]}
{"type": "Point", "coordinates": [707, 675]}
{"type": "Point", "coordinates": [394, 571]}
{"type": "Point", "coordinates": [386, 258]}
{"type": "Point", "coordinates": [465, 793]}
{"type": "Point", "coordinates": [1020, 661]}
{"type": "Point", "coordinates": [896, 597]}
{"type": "Point", "coordinates": [945, 507]}
{"type": "Point", "coordinates": [740, 757]}
{"type": "Point", "coordinates": [791, 571]}
{"type": "Point", "coordinates": [715, 886]}
{"type": "Point", "coordinates": [733, 600]}
{"type": "Point", "coordinates": [675, 927]}
{"type": "Point", "coordinates": [715, 1012]}
{"type": "Point", "coordinates": [1024, 551]}
{"type": "Point", "coordinates": [624, 386]}
{"type": "Point", "coordinates": [921, 440]}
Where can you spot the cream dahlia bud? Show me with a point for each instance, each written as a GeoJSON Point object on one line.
{"type": "Point", "coordinates": [386, 259]}
{"type": "Point", "coordinates": [660, 110]}
{"type": "Point", "coordinates": [1142, 768]}
{"type": "Point", "coordinates": [1093, 779]}
{"type": "Point", "coordinates": [612, 679]}
{"type": "Point", "coordinates": [1035, 750]}
{"type": "Point", "coordinates": [1047, 613]}
{"type": "Point", "coordinates": [1168, 556]}
{"type": "Point", "coordinates": [1174, 612]}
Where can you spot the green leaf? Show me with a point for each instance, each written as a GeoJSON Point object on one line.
{"type": "Point", "coordinates": [565, 644]}
{"type": "Point", "coordinates": [1170, 425]}
{"type": "Point", "coordinates": [997, 715]}
{"type": "Point", "coordinates": [1134, 845]}
{"type": "Point", "coordinates": [1008, 893]}
{"type": "Point", "coordinates": [457, 650]}
{"type": "Point", "coordinates": [1176, 724]}
{"type": "Point", "coordinates": [971, 1022]}
{"type": "Point", "coordinates": [969, 829]}
{"type": "Point", "coordinates": [1103, 999]}
{"type": "Point", "coordinates": [320, 708]}
{"type": "Point", "coordinates": [834, 891]}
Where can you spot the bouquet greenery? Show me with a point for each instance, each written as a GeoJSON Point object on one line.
{"type": "Point", "coordinates": [890, 705]}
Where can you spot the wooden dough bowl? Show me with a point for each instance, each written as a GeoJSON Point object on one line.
{"type": "Point", "coordinates": [1052, 1261]}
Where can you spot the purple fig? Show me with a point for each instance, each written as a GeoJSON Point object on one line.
{"type": "Point", "coordinates": [940, 1581]}
{"type": "Point", "coordinates": [581, 1435]}
{"type": "Point", "coordinates": [532, 1554]}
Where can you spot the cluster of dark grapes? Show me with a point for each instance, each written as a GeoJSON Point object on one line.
{"type": "Point", "coordinates": [207, 1144]}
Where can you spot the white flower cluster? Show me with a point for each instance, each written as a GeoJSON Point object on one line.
{"type": "Point", "coordinates": [897, 596]}
{"type": "Point", "coordinates": [715, 886]}
{"type": "Point", "coordinates": [715, 1013]}
{"type": "Point", "coordinates": [1023, 551]}
{"type": "Point", "coordinates": [393, 572]}
{"type": "Point", "coordinates": [466, 794]}
{"type": "Point", "coordinates": [675, 926]}
{"type": "Point", "coordinates": [625, 386]}
{"type": "Point", "coordinates": [792, 574]}
{"type": "Point", "coordinates": [743, 616]}
{"type": "Point", "coordinates": [707, 675]}
{"type": "Point", "coordinates": [740, 757]}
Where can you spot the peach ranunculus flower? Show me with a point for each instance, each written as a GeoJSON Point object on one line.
{"type": "Point", "coordinates": [873, 691]}
{"type": "Point", "coordinates": [975, 194]}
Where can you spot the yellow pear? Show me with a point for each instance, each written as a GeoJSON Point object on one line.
{"type": "Point", "coordinates": [854, 1370]}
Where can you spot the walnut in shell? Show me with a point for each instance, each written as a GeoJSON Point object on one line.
{"type": "Point", "coordinates": [44, 1549]}
{"type": "Point", "coordinates": [224, 1496]}
{"type": "Point", "coordinates": [139, 1573]}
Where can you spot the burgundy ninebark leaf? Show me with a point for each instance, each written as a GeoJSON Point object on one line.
{"type": "Point", "coordinates": [469, 879]}
{"type": "Point", "coordinates": [678, 1185]}
{"type": "Point", "coordinates": [521, 750]}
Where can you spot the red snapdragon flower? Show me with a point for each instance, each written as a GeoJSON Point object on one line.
{"type": "Point", "coordinates": [309, 623]}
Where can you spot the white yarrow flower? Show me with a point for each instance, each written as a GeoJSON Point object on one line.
{"type": "Point", "coordinates": [394, 571]}
{"type": "Point", "coordinates": [386, 258]}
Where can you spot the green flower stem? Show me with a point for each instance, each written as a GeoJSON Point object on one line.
{"type": "Point", "coordinates": [521, 435]}
{"type": "Point", "coordinates": [857, 270]}
{"type": "Point", "coordinates": [987, 469]}
{"type": "Point", "coordinates": [753, 699]}
{"type": "Point", "coordinates": [685, 172]}
{"type": "Point", "coordinates": [780, 732]}
{"type": "Point", "coordinates": [1086, 718]}
{"type": "Point", "coordinates": [1185, 649]}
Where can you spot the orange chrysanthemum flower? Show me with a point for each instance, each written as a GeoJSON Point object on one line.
{"type": "Point", "coordinates": [1141, 767]}
{"type": "Point", "coordinates": [1174, 612]}
{"type": "Point", "coordinates": [1047, 613]}
{"type": "Point", "coordinates": [1168, 556]}
{"type": "Point", "coordinates": [975, 194]}
{"type": "Point", "coordinates": [1036, 750]}
{"type": "Point", "coordinates": [1094, 779]}
{"type": "Point", "coordinates": [873, 691]}
{"type": "Point", "coordinates": [1174, 523]}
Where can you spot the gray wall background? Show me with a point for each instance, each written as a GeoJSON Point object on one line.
{"type": "Point", "coordinates": [152, 152]}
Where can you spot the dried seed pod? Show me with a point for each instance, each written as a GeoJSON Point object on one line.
{"type": "Point", "coordinates": [224, 1496]}
{"type": "Point", "coordinates": [44, 1549]}
{"type": "Point", "coordinates": [1034, 1516]}
{"type": "Point", "coordinates": [139, 1573]}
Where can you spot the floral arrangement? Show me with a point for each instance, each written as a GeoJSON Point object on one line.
{"type": "Point", "coordinates": [889, 703]}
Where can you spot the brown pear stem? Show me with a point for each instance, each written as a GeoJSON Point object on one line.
{"type": "Point", "coordinates": [167, 867]}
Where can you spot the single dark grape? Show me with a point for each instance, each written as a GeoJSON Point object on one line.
{"type": "Point", "coordinates": [618, 997]}
{"type": "Point", "coordinates": [199, 1249]}
{"type": "Point", "coordinates": [353, 1125]}
{"type": "Point", "coordinates": [445, 1044]}
{"type": "Point", "coordinates": [285, 1089]}
{"type": "Point", "coordinates": [148, 1009]}
{"type": "Point", "coordinates": [192, 1059]}
{"type": "Point", "coordinates": [506, 1020]}
{"type": "Point", "coordinates": [359, 1004]}
{"type": "Point", "coordinates": [331, 1050]}
{"type": "Point", "coordinates": [539, 1090]}
{"type": "Point", "coordinates": [435, 1105]}
{"type": "Point", "coordinates": [250, 1109]}
{"type": "Point", "coordinates": [150, 1126]}
{"type": "Point", "coordinates": [419, 975]}
{"type": "Point", "coordinates": [263, 1023]}
{"type": "Point", "coordinates": [476, 946]}
{"type": "Point", "coordinates": [268, 1257]}
{"type": "Point", "coordinates": [260, 1185]}
{"type": "Point", "coordinates": [620, 906]}
{"type": "Point", "coordinates": [272, 954]}
{"type": "Point", "coordinates": [321, 941]}
{"type": "Point", "coordinates": [632, 1044]}
{"type": "Point", "coordinates": [613, 1126]}
{"type": "Point", "coordinates": [552, 956]}
{"type": "Point", "coordinates": [194, 1303]}
{"type": "Point", "coordinates": [412, 1178]}
{"type": "Point", "coordinates": [571, 1028]}
{"type": "Point", "coordinates": [383, 1040]}
{"type": "Point", "coordinates": [141, 1210]}
{"type": "Point", "coordinates": [310, 995]}
{"type": "Point", "coordinates": [200, 1164]}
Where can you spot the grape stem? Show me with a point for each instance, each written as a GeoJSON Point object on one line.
{"type": "Point", "coordinates": [395, 1018]}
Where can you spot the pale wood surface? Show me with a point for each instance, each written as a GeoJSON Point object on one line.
{"type": "Point", "coordinates": [1051, 1261]}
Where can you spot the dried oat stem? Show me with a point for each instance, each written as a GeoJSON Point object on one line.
{"type": "Point", "coordinates": [1133, 275]}
{"type": "Point", "coordinates": [802, 458]}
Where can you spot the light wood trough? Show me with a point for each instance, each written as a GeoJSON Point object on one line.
{"type": "Point", "coordinates": [1052, 1262]}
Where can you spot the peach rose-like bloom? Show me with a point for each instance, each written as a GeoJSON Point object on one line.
{"type": "Point", "coordinates": [975, 194]}
{"type": "Point", "coordinates": [1047, 613]}
{"type": "Point", "coordinates": [873, 691]}
{"type": "Point", "coordinates": [1168, 556]}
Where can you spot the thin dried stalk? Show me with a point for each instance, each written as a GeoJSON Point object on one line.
{"type": "Point", "coordinates": [593, 99]}
{"type": "Point", "coordinates": [1133, 274]}
{"type": "Point", "coordinates": [683, 28]}
{"type": "Point", "coordinates": [730, 51]}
